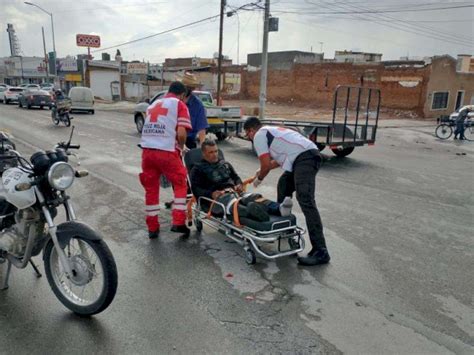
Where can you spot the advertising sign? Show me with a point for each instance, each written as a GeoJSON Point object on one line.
{"type": "Point", "coordinates": [67, 64]}
{"type": "Point", "coordinates": [137, 68]}
{"type": "Point", "coordinates": [88, 40]}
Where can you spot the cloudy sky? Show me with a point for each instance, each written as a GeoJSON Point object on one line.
{"type": "Point", "coordinates": [393, 27]}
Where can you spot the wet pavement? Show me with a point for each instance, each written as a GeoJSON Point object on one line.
{"type": "Point", "coordinates": [398, 219]}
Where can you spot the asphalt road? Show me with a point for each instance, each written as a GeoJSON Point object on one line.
{"type": "Point", "coordinates": [399, 223]}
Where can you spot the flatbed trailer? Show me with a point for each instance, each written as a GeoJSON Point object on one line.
{"type": "Point", "coordinates": [354, 121]}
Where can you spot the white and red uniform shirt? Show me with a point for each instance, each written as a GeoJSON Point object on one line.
{"type": "Point", "coordinates": [163, 118]}
{"type": "Point", "coordinates": [282, 144]}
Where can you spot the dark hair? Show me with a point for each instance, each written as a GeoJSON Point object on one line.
{"type": "Point", "coordinates": [208, 143]}
{"type": "Point", "coordinates": [252, 122]}
{"type": "Point", "coordinates": [177, 88]}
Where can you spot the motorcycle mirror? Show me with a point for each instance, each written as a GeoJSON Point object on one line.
{"type": "Point", "coordinates": [24, 186]}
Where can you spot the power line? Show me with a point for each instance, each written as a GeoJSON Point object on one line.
{"type": "Point", "coordinates": [157, 34]}
{"type": "Point", "coordinates": [374, 11]}
{"type": "Point", "coordinates": [422, 30]}
{"type": "Point", "coordinates": [410, 29]}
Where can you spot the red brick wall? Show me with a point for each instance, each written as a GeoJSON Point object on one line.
{"type": "Point", "coordinates": [315, 84]}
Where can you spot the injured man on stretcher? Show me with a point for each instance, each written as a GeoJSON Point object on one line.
{"type": "Point", "coordinates": [216, 179]}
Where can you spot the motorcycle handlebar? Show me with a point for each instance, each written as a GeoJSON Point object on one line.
{"type": "Point", "coordinates": [64, 145]}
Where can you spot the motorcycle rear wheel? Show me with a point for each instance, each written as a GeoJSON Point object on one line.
{"type": "Point", "coordinates": [93, 284]}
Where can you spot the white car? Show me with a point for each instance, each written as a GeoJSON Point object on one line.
{"type": "Point", "coordinates": [11, 94]}
{"type": "Point", "coordinates": [2, 90]}
{"type": "Point", "coordinates": [470, 115]}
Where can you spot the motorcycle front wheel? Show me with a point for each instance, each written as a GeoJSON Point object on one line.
{"type": "Point", "coordinates": [67, 120]}
{"type": "Point", "coordinates": [93, 283]}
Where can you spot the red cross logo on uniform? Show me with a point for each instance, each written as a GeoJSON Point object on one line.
{"type": "Point", "coordinates": [157, 110]}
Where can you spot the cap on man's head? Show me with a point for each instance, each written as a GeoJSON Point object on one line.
{"type": "Point", "coordinates": [252, 122]}
{"type": "Point", "coordinates": [190, 80]}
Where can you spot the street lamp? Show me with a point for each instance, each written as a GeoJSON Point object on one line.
{"type": "Point", "coordinates": [52, 29]}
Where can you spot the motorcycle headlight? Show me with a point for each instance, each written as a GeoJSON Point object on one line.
{"type": "Point", "coordinates": [61, 176]}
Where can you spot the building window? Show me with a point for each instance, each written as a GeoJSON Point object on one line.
{"type": "Point", "coordinates": [440, 100]}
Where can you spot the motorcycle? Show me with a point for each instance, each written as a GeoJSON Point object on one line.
{"type": "Point", "coordinates": [60, 112]}
{"type": "Point", "coordinates": [79, 266]}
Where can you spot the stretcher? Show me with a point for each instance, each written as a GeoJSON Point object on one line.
{"type": "Point", "coordinates": [276, 238]}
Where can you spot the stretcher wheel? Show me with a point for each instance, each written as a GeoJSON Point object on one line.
{"type": "Point", "coordinates": [250, 257]}
{"type": "Point", "coordinates": [294, 243]}
{"type": "Point", "coordinates": [198, 225]}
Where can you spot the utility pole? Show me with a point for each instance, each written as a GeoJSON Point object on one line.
{"type": "Point", "coordinates": [264, 69]}
{"type": "Point", "coordinates": [45, 56]}
{"type": "Point", "coordinates": [219, 60]}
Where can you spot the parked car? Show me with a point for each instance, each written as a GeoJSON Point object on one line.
{"type": "Point", "coordinates": [82, 99]}
{"type": "Point", "coordinates": [2, 90]}
{"type": "Point", "coordinates": [11, 94]}
{"type": "Point", "coordinates": [4, 86]}
{"type": "Point", "coordinates": [215, 114]}
{"type": "Point", "coordinates": [49, 88]}
{"type": "Point", "coordinates": [34, 97]}
{"type": "Point", "coordinates": [454, 115]}
{"type": "Point", "coordinates": [30, 86]}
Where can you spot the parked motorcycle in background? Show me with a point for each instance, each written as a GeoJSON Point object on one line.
{"type": "Point", "coordinates": [78, 264]}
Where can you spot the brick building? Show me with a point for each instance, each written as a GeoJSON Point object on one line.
{"type": "Point", "coordinates": [428, 89]}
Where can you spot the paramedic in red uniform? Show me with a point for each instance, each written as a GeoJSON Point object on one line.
{"type": "Point", "coordinates": [163, 137]}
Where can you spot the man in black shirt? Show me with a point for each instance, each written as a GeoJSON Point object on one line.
{"type": "Point", "coordinates": [216, 179]}
{"type": "Point", "coordinates": [462, 115]}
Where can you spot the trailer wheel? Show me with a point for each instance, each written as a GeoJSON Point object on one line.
{"type": "Point", "coordinates": [320, 146]}
{"type": "Point", "coordinates": [344, 152]}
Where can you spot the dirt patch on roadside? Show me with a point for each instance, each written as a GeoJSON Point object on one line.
{"type": "Point", "coordinates": [307, 112]}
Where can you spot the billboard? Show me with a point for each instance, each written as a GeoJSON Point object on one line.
{"type": "Point", "coordinates": [88, 40]}
{"type": "Point", "coordinates": [137, 68]}
{"type": "Point", "coordinates": [67, 64]}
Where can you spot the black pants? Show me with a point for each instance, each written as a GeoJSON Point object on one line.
{"type": "Point", "coordinates": [459, 130]}
{"type": "Point", "coordinates": [270, 207]}
{"type": "Point", "coordinates": [303, 180]}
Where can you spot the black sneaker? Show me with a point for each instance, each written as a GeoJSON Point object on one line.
{"type": "Point", "coordinates": [257, 212]}
{"type": "Point", "coordinates": [317, 257]}
{"type": "Point", "coordinates": [154, 235]}
{"type": "Point", "coordinates": [181, 229]}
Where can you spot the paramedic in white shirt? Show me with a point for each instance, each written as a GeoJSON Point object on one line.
{"type": "Point", "coordinates": [300, 160]}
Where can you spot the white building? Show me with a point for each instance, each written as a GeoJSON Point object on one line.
{"type": "Point", "coordinates": [356, 57]}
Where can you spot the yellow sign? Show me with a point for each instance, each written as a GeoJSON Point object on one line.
{"type": "Point", "coordinates": [73, 77]}
{"type": "Point", "coordinates": [212, 121]}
